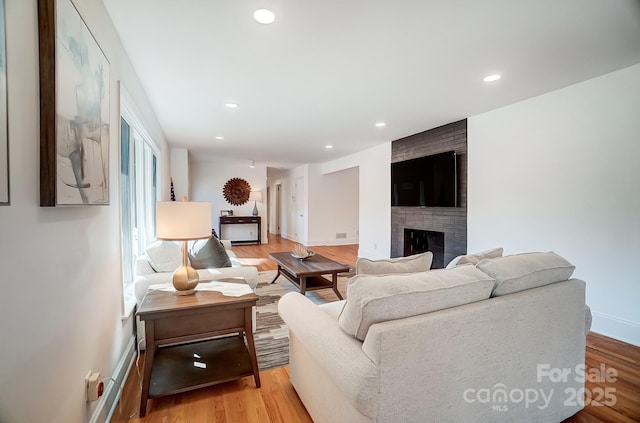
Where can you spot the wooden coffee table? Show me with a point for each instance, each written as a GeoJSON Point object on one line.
{"type": "Point", "coordinates": [307, 274]}
{"type": "Point", "coordinates": [181, 351]}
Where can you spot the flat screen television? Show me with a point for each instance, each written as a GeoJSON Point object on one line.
{"type": "Point", "coordinates": [429, 181]}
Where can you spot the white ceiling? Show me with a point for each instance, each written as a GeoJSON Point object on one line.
{"type": "Point", "coordinates": [326, 71]}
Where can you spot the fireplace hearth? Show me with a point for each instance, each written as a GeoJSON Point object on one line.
{"type": "Point", "coordinates": [418, 241]}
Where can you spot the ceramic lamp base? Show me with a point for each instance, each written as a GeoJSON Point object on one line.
{"type": "Point", "coordinates": [185, 280]}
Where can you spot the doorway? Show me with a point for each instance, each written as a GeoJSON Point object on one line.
{"type": "Point", "coordinates": [278, 209]}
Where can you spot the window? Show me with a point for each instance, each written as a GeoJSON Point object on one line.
{"type": "Point", "coordinates": [138, 194]}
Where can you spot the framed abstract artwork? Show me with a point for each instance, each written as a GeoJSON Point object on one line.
{"type": "Point", "coordinates": [74, 109]}
{"type": "Point", "coordinates": [4, 133]}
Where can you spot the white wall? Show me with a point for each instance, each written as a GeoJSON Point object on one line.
{"type": "Point", "coordinates": [560, 172]}
{"type": "Point", "coordinates": [61, 280]}
{"type": "Point", "coordinates": [296, 209]}
{"type": "Point", "coordinates": [179, 161]}
{"type": "Point", "coordinates": [288, 179]}
{"type": "Point", "coordinates": [333, 206]}
{"type": "Point", "coordinates": [374, 215]}
{"type": "Point", "coordinates": [356, 187]}
{"type": "Point", "coordinates": [207, 179]}
{"type": "Point", "coordinates": [278, 177]}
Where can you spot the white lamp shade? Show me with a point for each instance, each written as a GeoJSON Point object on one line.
{"type": "Point", "coordinates": [255, 196]}
{"type": "Point", "coordinates": [183, 220]}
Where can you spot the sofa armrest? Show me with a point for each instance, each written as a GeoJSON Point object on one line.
{"type": "Point", "coordinates": [339, 354]}
{"type": "Point", "coordinates": [142, 266]}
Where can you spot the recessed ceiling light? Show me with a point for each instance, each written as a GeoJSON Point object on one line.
{"type": "Point", "coordinates": [231, 105]}
{"type": "Point", "coordinates": [381, 124]}
{"type": "Point", "coordinates": [219, 138]}
{"type": "Point", "coordinates": [492, 78]}
{"type": "Point", "coordinates": [328, 147]}
{"type": "Point", "coordinates": [264, 16]}
{"type": "Point", "coordinates": [252, 164]}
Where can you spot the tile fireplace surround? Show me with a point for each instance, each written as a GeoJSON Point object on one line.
{"type": "Point", "coordinates": [452, 221]}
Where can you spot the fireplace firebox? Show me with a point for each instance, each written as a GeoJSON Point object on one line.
{"type": "Point", "coordinates": [418, 241]}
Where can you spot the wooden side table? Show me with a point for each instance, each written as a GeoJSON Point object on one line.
{"type": "Point", "coordinates": [181, 351]}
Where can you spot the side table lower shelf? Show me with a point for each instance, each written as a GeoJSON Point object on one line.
{"type": "Point", "coordinates": [182, 355]}
{"type": "Point", "coordinates": [176, 368]}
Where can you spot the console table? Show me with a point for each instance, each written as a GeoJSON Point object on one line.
{"type": "Point", "coordinates": [242, 220]}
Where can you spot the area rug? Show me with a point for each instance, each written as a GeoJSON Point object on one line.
{"type": "Point", "coordinates": [272, 335]}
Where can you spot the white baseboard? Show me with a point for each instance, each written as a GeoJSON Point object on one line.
{"type": "Point", "coordinates": [108, 403]}
{"type": "Point", "coordinates": [616, 327]}
{"type": "Point", "coordinates": [341, 241]}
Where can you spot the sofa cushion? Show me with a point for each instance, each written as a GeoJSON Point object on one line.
{"type": "Point", "coordinates": [378, 298]}
{"type": "Point", "coordinates": [411, 264]}
{"type": "Point", "coordinates": [475, 258]}
{"type": "Point", "coordinates": [525, 271]}
{"type": "Point", "coordinates": [208, 253]}
{"type": "Point", "coordinates": [164, 256]}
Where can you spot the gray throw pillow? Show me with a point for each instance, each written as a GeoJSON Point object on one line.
{"type": "Point", "coordinates": [208, 253]}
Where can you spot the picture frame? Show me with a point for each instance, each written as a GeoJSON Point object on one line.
{"type": "Point", "coordinates": [4, 116]}
{"type": "Point", "coordinates": [74, 109]}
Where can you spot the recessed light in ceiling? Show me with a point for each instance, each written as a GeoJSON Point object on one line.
{"type": "Point", "coordinates": [492, 78]}
{"type": "Point", "coordinates": [219, 138]}
{"type": "Point", "coordinates": [252, 164]}
{"type": "Point", "coordinates": [381, 124]}
{"type": "Point", "coordinates": [264, 16]}
{"type": "Point", "coordinates": [231, 105]}
{"type": "Point", "coordinates": [328, 147]}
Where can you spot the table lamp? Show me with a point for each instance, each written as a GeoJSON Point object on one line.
{"type": "Point", "coordinates": [183, 221]}
{"type": "Point", "coordinates": [255, 196]}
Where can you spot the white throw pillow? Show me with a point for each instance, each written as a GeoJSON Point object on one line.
{"type": "Point", "coordinates": [525, 271]}
{"type": "Point", "coordinates": [378, 298]}
{"type": "Point", "coordinates": [410, 264]}
{"type": "Point", "coordinates": [164, 256]}
{"type": "Point", "coordinates": [475, 258]}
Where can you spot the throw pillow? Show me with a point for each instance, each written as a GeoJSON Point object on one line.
{"type": "Point", "coordinates": [208, 253]}
{"type": "Point", "coordinates": [525, 271]}
{"type": "Point", "coordinates": [411, 264]}
{"type": "Point", "coordinates": [379, 298]}
{"type": "Point", "coordinates": [475, 258]}
{"type": "Point", "coordinates": [164, 256]}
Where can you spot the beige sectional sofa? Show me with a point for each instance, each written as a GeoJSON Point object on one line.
{"type": "Point", "coordinates": [480, 343]}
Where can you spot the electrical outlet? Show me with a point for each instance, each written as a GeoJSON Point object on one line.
{"type": "Point", "coordinates": [94, 385]}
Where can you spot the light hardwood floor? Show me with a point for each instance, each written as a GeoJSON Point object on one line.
{"type": "Point", "coordinates": [277, 401]}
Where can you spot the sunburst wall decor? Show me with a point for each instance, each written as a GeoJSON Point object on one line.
{"type": "Point", "coordinates": [236, 191]}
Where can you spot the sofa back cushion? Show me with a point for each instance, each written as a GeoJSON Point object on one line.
{"type": "Point", "coordinates": [411, 264]}
{"type": "Point", "coordinates": [208, 253]}
{"type": "Point", "coordinates": [378, 298]}
{"type": "Point", "coordinates": [475, 258]}
{"type": "Point", "coordinates": [525, 271]}
{"type": "Point", "coordinates": [164, 256]}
